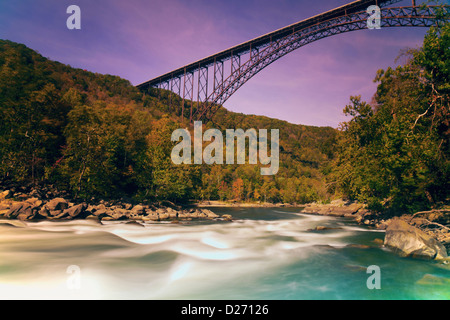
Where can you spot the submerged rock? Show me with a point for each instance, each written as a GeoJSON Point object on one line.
{"type": "Point", "coordinates": [358, 246]}
{"type": "Point", "coordinates": [356, 268]}
{"type": "Point", "coordinates": [408, 241]}
{"type": "Point", "coordinates": [378, 242]}
{"type": "Point", "coordinates": [323, 228]}
{"type": "Point", "coordinates": [432, 280]}
{"type": "Point", "coordinates": [227, 217]}
{"type": "Point", "coordinates": [135, 223]}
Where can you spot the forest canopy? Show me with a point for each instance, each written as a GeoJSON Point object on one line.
{"type": "Point", "coordinates": [98, 136]}
{"type": "Point", "coordinates": [394, 152]}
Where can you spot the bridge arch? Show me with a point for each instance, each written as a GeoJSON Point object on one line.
{"type": "Point", "coordinates": [215, 78]}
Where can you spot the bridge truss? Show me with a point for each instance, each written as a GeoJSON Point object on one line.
{"type": "Point", "coordinates": [209, 82]}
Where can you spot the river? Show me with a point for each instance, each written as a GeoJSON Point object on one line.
{"type": "Point", "coordinates": [265, 254]}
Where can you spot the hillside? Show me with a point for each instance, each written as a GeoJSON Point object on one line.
{"type": "Point", "coordinates": [96, 135]}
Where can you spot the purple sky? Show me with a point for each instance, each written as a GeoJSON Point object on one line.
{"type": "Point", "coordinates": [141, 39]}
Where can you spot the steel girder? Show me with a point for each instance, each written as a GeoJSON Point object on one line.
{"type": "Point", "coordinates": [247, 62]}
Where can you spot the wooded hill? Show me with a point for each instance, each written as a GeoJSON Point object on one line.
{"type": "Point", "coordinates": [98, 136]}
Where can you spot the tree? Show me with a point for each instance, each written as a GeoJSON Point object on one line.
{"type": "Point", "coordinates": [238, 189]}
{"type": "Point", "coordinates": [165, 180]}
{"type": "Point", "coordinates": [395, 152]}
{"type": "Point", "coordinates": [98, 136]}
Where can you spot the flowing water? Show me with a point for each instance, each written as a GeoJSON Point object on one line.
{"type": "Point", "coordinates": [264, 254]}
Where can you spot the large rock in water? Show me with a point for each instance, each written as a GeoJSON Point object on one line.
{"type": "Point", "coordinates": [408, 241]}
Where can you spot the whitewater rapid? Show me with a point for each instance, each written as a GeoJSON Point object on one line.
{"type": "Point", "coordinates": [274, 258]}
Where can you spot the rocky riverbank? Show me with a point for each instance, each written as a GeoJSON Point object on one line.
{"type": "Point", "coordinates": [423, 235]}
{"type": "Point", "coordinates": [237, 204]}
{"type": "Point", "coordinates": [30, 203]}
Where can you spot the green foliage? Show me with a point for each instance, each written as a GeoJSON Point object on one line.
{"type": "Point", "coordinates": [67, 126]}
{"type": "Point", "coordinates": [160, 178]}
{"type": "Point", "coordinates": [394, 153]}
{"type": "Point", "coordinates": [98, 136]}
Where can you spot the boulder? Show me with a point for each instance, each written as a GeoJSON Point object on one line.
{"type": "Point", "coordinates": [160, 211]}
{"type": "Point", "coordinates": [173, 214]}
{"type": "Point", "coordinates": [92, 218]}
{"type": "Point", "coordinates": [34, 201]}
{"type": "Point", "coordinates": [3, 212]}
{"type": "Point", "coordinates": [118, 214]}
{"type": "Point", "coordinates": [76, 211]}
{"type": "Point", "coordinates": [50, 214]}
{"type": "Point", "coordinates": [152, 216]}
{"type": "Point", "coordinates": [99, 207]}
{"type": "Point", "coordinates": [44, 212]}
{"type": "Point", "coordinates": [138, 210]}
{"type": "Point", "coordinates": [57, 215]}
{"type": "Point", "coordinates": [134, 216]}
{"type": "Point", "coordinates": [210, 214]}
{"type": "Point", "coordinates": [57, 204]}
{"type": "Point", "coordinates": [338, 208]}
{"type": "Point", "coordinates": [227, 217]}
{"type": "Point", "coordinates": [22, 211]}
{"type": "Point", "coordinates": [8, 194]}
{"type": "Point", "coordinates": [5, 205]}
{"type": "Point", "coordinates": [408, 241]}
{"type": "Point", "coordinates": [164, 216]}
{"type": "Point", "coordinates": [135, 223]}
{"type": "Point", "coordinates": [28, 213]}
{"type": "Point", "coordinates": [108, 218]}
{"type": "Point", "coordinates": [198, 214]}
{"type": "Point", "coordinates": [16, 209]}
{"type": "Point", "coordinates": [101, 213]}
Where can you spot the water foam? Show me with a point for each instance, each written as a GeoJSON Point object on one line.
{"type": "Point", "coordinates": [249, 257]}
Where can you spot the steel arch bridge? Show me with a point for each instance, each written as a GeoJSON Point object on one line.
{"type": "Point", "coordinates": [209, 82]}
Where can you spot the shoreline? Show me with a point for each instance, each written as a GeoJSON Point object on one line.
{"type": "Point", "coordinates": [428, 230]}
{"type": "Point", "coordinates": [31, 203]}
{"type": "Point", "coordinates": [227, 204]}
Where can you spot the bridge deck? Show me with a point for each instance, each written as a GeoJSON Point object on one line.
{"type": "Point", "coordinates": [356, 6]}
